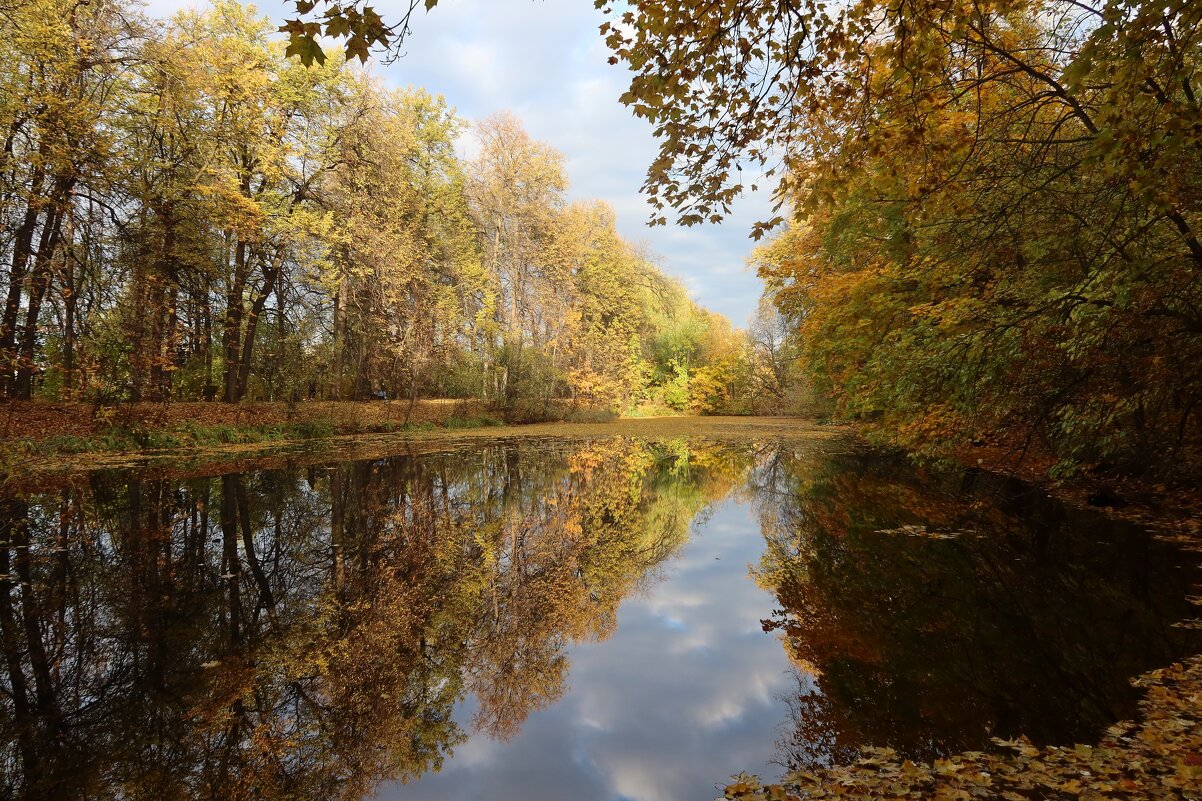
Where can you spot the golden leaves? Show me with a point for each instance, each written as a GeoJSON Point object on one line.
{"type": "Point", "coordinates": [1158, 758]}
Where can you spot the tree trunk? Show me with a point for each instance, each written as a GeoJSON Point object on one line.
{"type": "Point", "coordinates": [271, 272]}
{"type": "Point", "coordinates": [339, 335]}
{"type": "Point", "coordinates": [231, 333]}
{"type": "Point", "coordinates": [39, 282]}
{"type": "Point", "coordinates": [70, 295]}
{"type": "Point", "coordinates": [22, 250]}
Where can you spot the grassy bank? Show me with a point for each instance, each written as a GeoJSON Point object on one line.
{"type": "Point", "coordinates": [28, 471]}
{"type": "Point", "coordinates": [53, 429]}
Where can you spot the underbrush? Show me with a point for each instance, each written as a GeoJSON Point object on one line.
{"type": "Point", "coordinates": [125, 429]}
{"type": "Point", "coordinates": [522, 412]}
{"type": "Point", "coordinates": [185, 435]}
{"type": "Point", "coordinates": [477, 421]}
{"type": "Point", "coordinates": [652, 409]}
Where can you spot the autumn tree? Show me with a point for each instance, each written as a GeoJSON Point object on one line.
{"type": "Point", "coordinates": [63, 78]}
{"type": "Point", "coordinates": [994, 210]}
{"type": "Point", "coordinates": [516, 186]}
{"type": "Point", "coordinates": [190, 212]}
{"type": "Point", "coordinates": [405, 268]}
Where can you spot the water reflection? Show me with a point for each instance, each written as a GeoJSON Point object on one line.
{"type": "Point", "coordinates": [315, 631]}
{"type": "Point", "coordinates": [683, 695]}
{"type": "Point", "coordinates": [930, 613]}
{"type": "Point", "coordinates": [306, 633]}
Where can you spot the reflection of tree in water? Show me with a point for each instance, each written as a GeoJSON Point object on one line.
{"type": "Point", "coordinates": [1021, 616]}
{"type": "Point", "coordinates": [811, 733]}
{"type": "Point", "coordinates": [307, 633]}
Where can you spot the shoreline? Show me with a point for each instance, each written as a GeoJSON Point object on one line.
{"type": "Point", "coordinates": [23, 470]}
{"type": "Point", "coordinates": [39, 438]}
{"type": "Point", "coordinates": [1175, 512]}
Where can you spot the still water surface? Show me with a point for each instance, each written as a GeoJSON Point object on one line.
{"type": "Point", "coordinates": [619, 618]}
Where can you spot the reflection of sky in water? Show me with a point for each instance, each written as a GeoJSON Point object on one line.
{"type": "Point", "coordinates": [683, 695]}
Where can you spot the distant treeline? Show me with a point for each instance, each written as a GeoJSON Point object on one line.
{"type": "Point", "coordinates": [188, 214]}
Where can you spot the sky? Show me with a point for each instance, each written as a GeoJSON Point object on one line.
{"type": "Point", "coordinates": [545, 61]}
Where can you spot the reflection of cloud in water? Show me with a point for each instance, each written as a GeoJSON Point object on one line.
{"type": "Point", "coordinates": [683, 695]}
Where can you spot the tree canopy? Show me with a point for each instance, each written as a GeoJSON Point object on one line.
{"type": "Point", "coordinates": [192, 213]}
{"type": "Point", "coordinates": [992, 206]}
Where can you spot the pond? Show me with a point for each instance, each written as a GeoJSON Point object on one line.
{"type": "Point", "coordinates": [594, 617]}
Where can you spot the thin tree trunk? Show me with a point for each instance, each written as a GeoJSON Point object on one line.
{"type": "Point", "coordinates": [231, 333]}
{"type": "Point", "coordinates": [22, 250]}
{"type": "Point", "coordinates": [39, 282]}
{"type": "Point", "coordinates": [252, 324]}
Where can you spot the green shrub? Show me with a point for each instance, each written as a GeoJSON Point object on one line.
{"type": "Point", "coordinates": [478, 421]}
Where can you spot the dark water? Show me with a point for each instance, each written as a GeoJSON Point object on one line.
{"type": "Point", "coordinates": [612, 619]}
